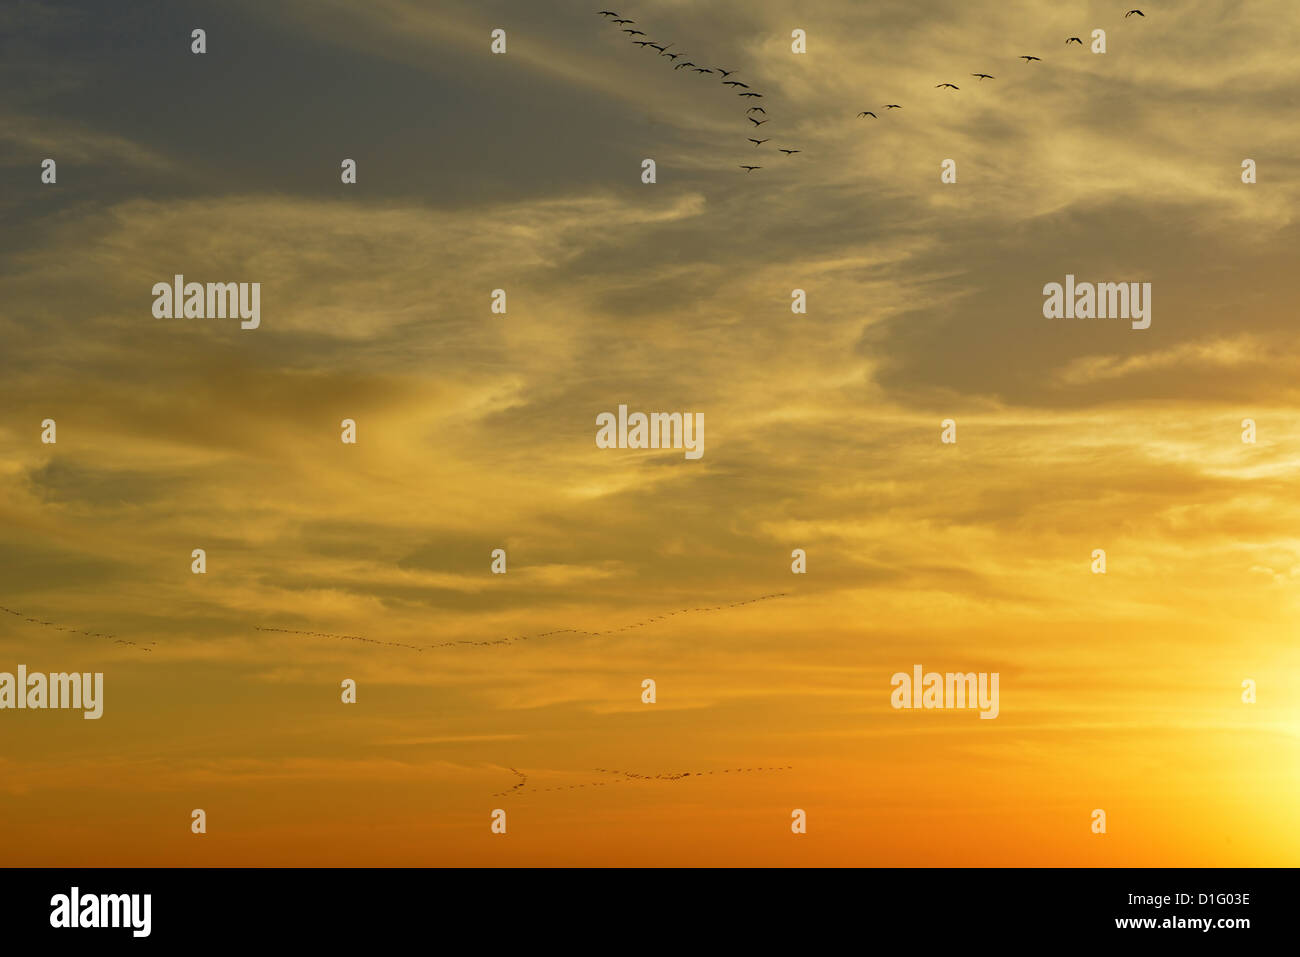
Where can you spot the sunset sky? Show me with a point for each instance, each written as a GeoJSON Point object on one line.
{"type": "Point", "coordinates": [476, 431]}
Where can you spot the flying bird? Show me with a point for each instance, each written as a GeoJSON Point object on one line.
{"type": "Point", "coordinates": [788, 152]}
{"type": "Point", "coordinates": [735, 83]}
{"type": "Point", "coordinates": [867, 113]}
{"type": "Point", "coordinates": [623, 21]}
{"type": "Point", "coordinates": [672, 56]}
{"type": "Point", "coordinates": [680, 65]}
{"type": "Point", "coordinates": [757, 142]}
{"type": "Point", "coordinates": [635, 33]}
{"type": "Point", "coordinates": [606, 13]}
{"type": "Point", "coordinates": [892, 106]}
{"type": "Point", "coordinates": [755, 109]}
{"type": "Point", "coordinates": [1028, 58]}
{"type": "Point", "coordinates": [725, 73]}
{"type": "Point", "coordinates": [643, 43]}
{"type": "Point", "coordinates": [1138, 12]}
{"type": "Point", "coordinates": [750, 169]}
{"type": "Point", "coordinates": [750, 94]}
{"type": "Point", "coordinates": [700, 69]}
{"type": "Point", "coordinates": [755, 122]}
{"type": "Point", "coordinates": [953, 86]}
{"type": "Point", "coordinates": [984, 76]}
{"type": "Point", "coordinates": [1070, 40]}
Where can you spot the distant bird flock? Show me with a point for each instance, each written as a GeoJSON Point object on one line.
{"type": "Point", "coordinates": [73, 631]}
{"type": "Point", "coordinates": [981, 77]}
{"type": "Point", "coordinates": [694, 67]}
{"type": "Point", "coordinates": [740, 88]}
{"type": "Point", "coordinates": [497, 642]}
{"type": "Point", "coordinates": [621, 777]}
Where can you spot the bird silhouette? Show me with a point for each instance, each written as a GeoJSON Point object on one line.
{"type": "Point", "coordinates": [867, 113]}
{"type": "Point", "coordinates": [681, 65]}
{"type": "Point", "coordinates": [735, 83]}
{"type": "Point", "coordinates": [623, 21]}
{"type": "Point", "coordinates": [755, 122]}
{"type": "Point", "coordinates": [892, 106]}
{"type": "Point", "coordinates": [755, 109]}
{"type": "Point", "coordinates": [750, 169]}
{"type": "Point", "coordinates": [984, 76]}
{"type": "Point", "coordinates": [1028, 58]}
{"type": "Point", "coordinates": [950, 85]}
{"type": "Point", "coordinates": [606, 13]}
{"type": "Point", "coordinates": [757, 142]}
{"type": "Point", "coordinates": [759, 95]}
{"type": "Point", "coordinates": [725, 73]}
{"type": "Point", "coordinates": [643, 43]}
{"type": "Point", "coordinates": [635, 33]}
{"type": "Point", "coordinates": [1070, 40]}
{"type": "Point", "coordinates": [700, 69]}
{"type": "Point", "coordinates": [672, 56]}
{"type": "Point", "coordinates": [788, 152]}
{"type": "Point", "coordinates": [1138, 12]}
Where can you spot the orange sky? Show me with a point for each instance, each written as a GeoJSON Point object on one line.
{"type": "Point", "coordinates": [476, 431]}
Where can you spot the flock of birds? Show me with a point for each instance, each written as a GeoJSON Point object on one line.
{"type": "Point", "coordinates": [508, 641]}
{"type": "Point", "coordinates": [741, 89]}
{"type": "Point", "coordinates": [74, 631]}
{"type": "Point", "coordinates": [442, 644]}
{"type": "Point", "coordinates": [988, 76]}
{"type": "Point", "coordinates": [622, 777]}
{"type": "Point", "coordinates": [638, 37]}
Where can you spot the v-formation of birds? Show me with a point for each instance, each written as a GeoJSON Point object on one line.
{"type": "Point", "coordinates": [739, 87]}
{"type": "Point", "coordinates": [629, 27]}
{"type": "Point", "coordinates": [981, 77]}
